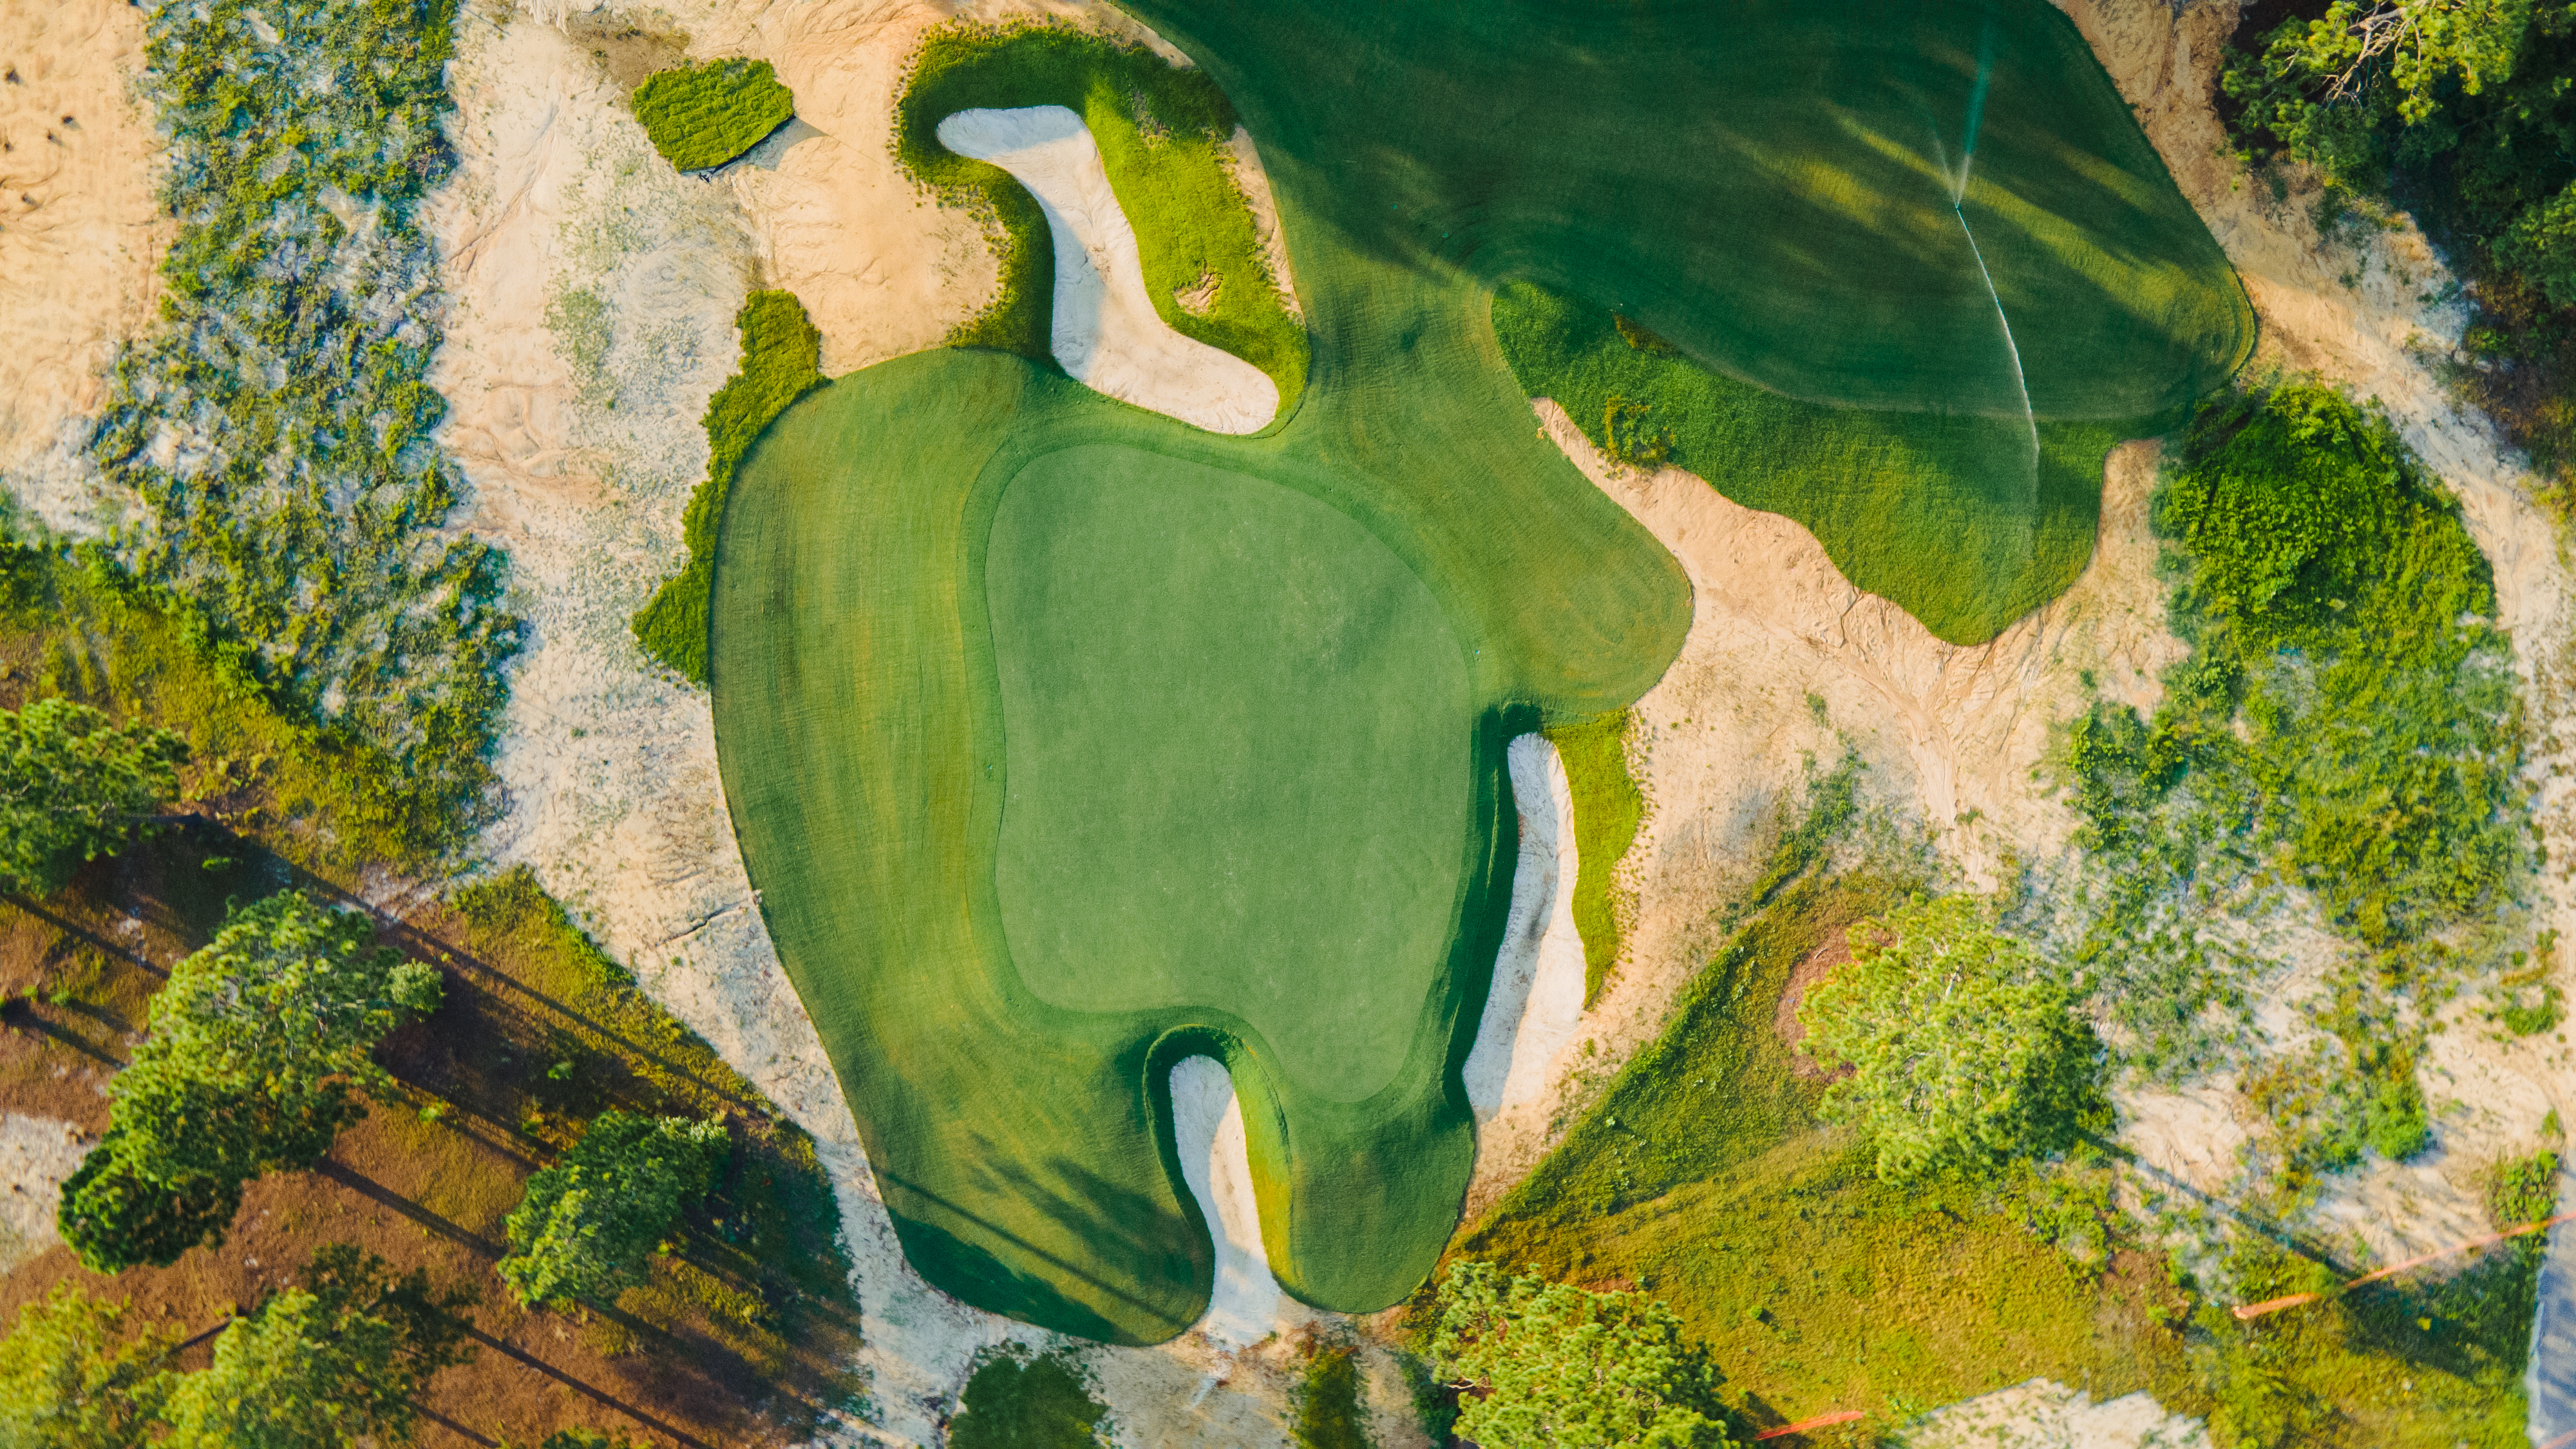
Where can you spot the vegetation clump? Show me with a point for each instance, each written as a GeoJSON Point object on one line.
{"type": "Point", "coordinates": [74, 787]}
{"type": "Point", "coordinates": [1325, 1410]}
{"type": "Point", "coordinates": [1963, 1052]}
{"type": "Point", "coordinates": [276, 426]}
{"type": "Point", "coordinates": [70, 1375]}
{"type": "Point", "coordinates": [781, 362]}
{"type": "Point", "coordinates": [1551, 1366]}
{"type": "Point", "coordinates": [588, 1223]}
{"type": "Point", "coordinates": [259, 1046]}
{"type": "Point", "coordinates": [1019, 1400]}
{"type": "Point", "coordinates": [1162, 132]}
{"type": "Point", "coordinates": [702, 116]}
{"type": "Point", "coordinates": [1608, 810]}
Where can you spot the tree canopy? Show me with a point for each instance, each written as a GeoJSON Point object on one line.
{"type": "Point", "coordinates": [71, 1379]}
{"type": "Point", "coordinates": [1552, 1366]}
{"type": "Point", "coordinates": [74, 787]}
{"type": "Point", "coordinates": [258, 1048]}
{"type": "Point", "coordinates": [1962, 1051]}
{"type": "Point", "coordinates": [588, 1223]}
{"type": "Point", "coordinates": [335, 1361]}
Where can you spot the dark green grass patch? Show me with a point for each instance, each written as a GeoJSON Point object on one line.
{"type": "Point", "coordinates": [781, 362]}
{"type": "Point", "coordinates": [1877, 488]}
{"type": "Point", "coordinates": [1015, 1400]}
{"type": "Point", "coordinates": [1608, 808]}
{"type": "Point", "coordinates": [1704, 1178]}
{"type": "Point", "coordinates": [701, 116]}
{"type": "Point", "coordinates": [1326, 1401]}
{"type": "Point", "coordinates": [1162, 136]}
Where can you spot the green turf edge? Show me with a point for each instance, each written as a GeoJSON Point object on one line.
{"type": "Point", "coordinates": [1161, 131]}
{"type": "Point", "coordinates": [781, 362]}
{"type": "Point", "coordinates": [1608, 809]}
{"type": "Point", "coordinates": [1946, 516]}
{"type": "Point", "coordinates": [702, 116]}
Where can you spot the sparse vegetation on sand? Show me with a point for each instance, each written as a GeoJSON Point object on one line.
{"type": "Point", "coordinates": [1162, 134]}
{"type": "Point", "coordinates": [702, 116]}
{"type": "Point", "coordinates": [276, 424]}
{"type": "Point", "coordinates": [1608, 808]}
{"type": "Point", "coordinates": [781, 362]}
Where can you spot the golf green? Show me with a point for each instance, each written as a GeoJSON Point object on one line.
{"type": "Point", "coordinates": [1237, 736]}
{"type": "Point", "coordinates": [1063, 741]}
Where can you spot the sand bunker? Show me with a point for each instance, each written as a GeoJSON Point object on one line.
{"type": "Point", "coordinates": [1106, 331]}
{"type": "Point", "coordinates": [1215, 1162]}
{"type": "Point", "coordinates": [1536, 1005]}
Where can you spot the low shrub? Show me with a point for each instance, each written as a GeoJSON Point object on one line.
{"type": "Point", "coordinates": [703, 116]}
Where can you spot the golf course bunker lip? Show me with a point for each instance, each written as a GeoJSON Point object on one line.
{"type": "Point", "coordinates": [1238, 746]}
{"type": "Point", "coordinates": [1536, 1002]}
{"type": "Point", "coordinates": [1105, 330]}
{"type": "Point", "coordinates": [1216, 1162]}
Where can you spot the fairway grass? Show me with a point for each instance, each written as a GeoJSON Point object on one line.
{"type": "Point", "coordinates": [1064, 741]}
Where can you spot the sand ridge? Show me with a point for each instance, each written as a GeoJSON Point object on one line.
{"type": "Point", "coordinates": [1105, 329]}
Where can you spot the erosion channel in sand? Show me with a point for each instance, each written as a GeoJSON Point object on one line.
{"type": "Point", "coordinates": [1106, 331]}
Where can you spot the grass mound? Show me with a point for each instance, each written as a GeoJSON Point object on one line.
{"type": "Point", "coordinates": [1608, 809]}
{"type": "Point", "coordinates": [781, 361]}
{"type": "Point", "coordinates": [1162, 135]}
{"type": "Point", "coordinates": [702, 116]}
{"type": "Point", "coordinates": [1873, 486]}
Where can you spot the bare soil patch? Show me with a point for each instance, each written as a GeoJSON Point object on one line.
{"type": "Point", "coordinates": [1819, 964]}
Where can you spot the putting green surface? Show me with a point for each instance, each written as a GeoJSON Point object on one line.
{"type": "Point", "coordinates": [1230, 715]}
{"type": "Point", "coordinates": [1064, 741]}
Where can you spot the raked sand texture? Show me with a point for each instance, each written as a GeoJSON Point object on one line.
{"type": "Point", "coordinates": [1104, 327]}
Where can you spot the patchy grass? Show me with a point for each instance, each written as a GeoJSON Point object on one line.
{"type": "Point", "coordinates": [1326, 1401]}
{"type": "Point", "coordinates": [1608, 810]}
{"type": "Point", "coordinates": [1018, 1401]}
{"type": "Point", "coordinates": [1704, 1177]}
{"type": "Point", "coordinates": [702, 116]}
{"type": "Point", "coordinates": [1162, 135]}
{"type": "Point", "coordinates": [781, 362]}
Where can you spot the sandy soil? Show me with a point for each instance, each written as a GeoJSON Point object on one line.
{"type": "Point", "coordinates": [1105, 329]}
{"type": "Point", "coordinates": [79, 238]}
{"type": "Point", "coordinates": [1249, 174]}
{"type": "Point", "coordinates": [36, 1154]}
{"type": "Point", "coordinates": [2043, 1414]}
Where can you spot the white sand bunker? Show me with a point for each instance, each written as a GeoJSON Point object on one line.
{"type": "Point", "coordinates": [1106, 331]}
{"type": "Point", "coordinates": [1208, 1122]}
{"type": "Point", "coordinates": [1537, 998]}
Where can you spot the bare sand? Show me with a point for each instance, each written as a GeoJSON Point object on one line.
{"type": "Point", "coordinates": [79, 238]}
{"type": "Point", "coordinates": [1216, 1162]}
{"type": "Point", "coordinates": [2043, 1414]}
{"type": "Point", "coordinates": [36, 1154]}
{"type": "Point", "coordinates": [1105, 329]}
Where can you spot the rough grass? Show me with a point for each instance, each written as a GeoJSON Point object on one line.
{"type": "Point", "coordinates": [1873, 486]}
{"type": "Point", "coordinates": [1018, 1401]}
{"type": "Point", "coordinates": [1162, 136]}
{"type": "Point", "coordinates": [702, 116]}
{"type": "Point", "coordinates": [781, 362]}
{"type": "Point", "coordinates": [1326, 1401]}
{"type": "Point", "coordinates": [1704, 1178]}
{"type": "Point", "coordinates": [1608, 808]}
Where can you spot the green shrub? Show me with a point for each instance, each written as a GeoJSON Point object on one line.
{"type": "Point", "coordinates": [70, 1377]}
{"type": "Point", "coordinates": [1963, 1052]}
{"type": "Point", "coordinates": [1326, 1401]}
{"type": "Point", "coordinates": [702, 116]}
{"type": "Point", "coordinates": [73, 788]}
{"type": "Point", "coordinates": [1552, 1366]}
{"type": "Point", "coordinates": [1161, 131]}
{"type": "Point", "coordinates": [2525, 1190]}
{"type": "Point", "coordinates": [1018, 1401]}
{"type": "Point", "coordinates": [1608, 809]}
{"type": "Point", "coordinates": [588, 1223]}
{"type": "Point", "coordinates": [781, 362]}
{"type": "Point", "coordinates": [258, 1046]}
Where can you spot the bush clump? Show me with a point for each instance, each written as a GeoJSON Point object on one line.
{"type": "Point", "coordinates": [588, 1223]}
{"type": "Point", "coordinates": [1016, 1400]}
{"type": "Point", "coordinates": [74, 787]}
{"type": "Point", "coordinates": [258, 1048]}
{"type": "Point", "coordinates": [1551, 1366]}
{"type": "Point", "coordinates": [701, 116]}
{"type": "Point", "coordinates": [781, 362]}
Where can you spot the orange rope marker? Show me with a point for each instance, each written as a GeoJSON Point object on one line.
{"type": "Point", "coordinates": [2245, 1311]}
{"type": "Point", "coordinates": [1803, 1425]}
